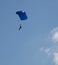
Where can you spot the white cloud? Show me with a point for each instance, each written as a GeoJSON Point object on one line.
{"type": "Point", "coordinates": [54, 35]}
{"type": "Point", "coordinates": [51, 52]}
{"type": "Point", "coordinates": [55, 58]}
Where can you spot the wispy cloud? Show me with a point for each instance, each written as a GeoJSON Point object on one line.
{"type": "Point", "coordinates": [42, 48]}
{"type": "Point", "coordinates": [46, 50]}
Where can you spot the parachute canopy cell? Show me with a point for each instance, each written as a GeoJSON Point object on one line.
{"type": "Point", "coordinates": [22, 15]}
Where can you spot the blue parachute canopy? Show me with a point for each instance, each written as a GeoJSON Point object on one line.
{"type": "Point", "coordinates": [22, 15]}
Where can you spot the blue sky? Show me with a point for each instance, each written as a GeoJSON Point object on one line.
{"type": "Point", "coordinates": [35, 44]}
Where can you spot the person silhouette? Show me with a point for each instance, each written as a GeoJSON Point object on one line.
{"type": "Point", "coordinates": [20, 27]}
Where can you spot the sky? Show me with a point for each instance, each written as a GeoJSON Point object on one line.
{"type": "Point", "coordinates": [37, 42]}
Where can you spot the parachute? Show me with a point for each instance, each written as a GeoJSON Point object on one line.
{"type": "Point", "coordinates": [22, 15]}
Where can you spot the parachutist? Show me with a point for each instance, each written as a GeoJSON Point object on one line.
{"type": "Point", "coordinates": [20, 27]}
{"type": "Point", "coordinates": [23, 16]}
